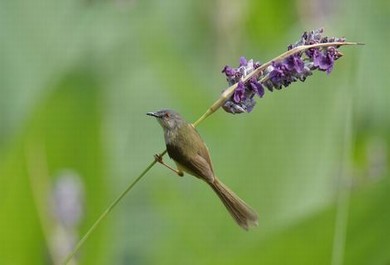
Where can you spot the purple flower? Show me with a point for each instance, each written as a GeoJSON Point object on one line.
{"type": "Point", "coordinates": [294, 63]}
{"type": "Point", "coordinates": [305, 72]}
{"type": "Point", "coordinates": [309, 37]}
{"type": "Point", "coordinates": [242, 99]}
{"type": "Point", "coordinates": [279, 74]}
{"type": "Point", "coordinates": [231, 107]}
{"type": "Point", "coordinates": [239, 93]}
{"type": "Point", "coordinates": [243, 61]}
{"type": "Point", "coordinates": [324, 60]}
{"type": "Point", "coordinates": [249, 104]}
{"type": "Point", "coordinates": [228, 71]}
{"type": "Point", "coordinates": [257, 87]}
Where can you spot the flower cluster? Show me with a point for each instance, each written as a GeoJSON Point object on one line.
{"type": "Point", "coordinates": [279, 74]}
{"type": "Point", "coordinates": [243, 97]}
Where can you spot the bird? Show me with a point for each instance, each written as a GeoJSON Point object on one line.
{"type": "Point", "coordinates": [191, 155]}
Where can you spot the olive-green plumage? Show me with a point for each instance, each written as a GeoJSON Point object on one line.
{"type": "Point", "coordinates": [187, 149]}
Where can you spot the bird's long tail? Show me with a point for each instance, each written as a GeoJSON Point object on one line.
{"type": "Point", "coordinates": [243, 214]}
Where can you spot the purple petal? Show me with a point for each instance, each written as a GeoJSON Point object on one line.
{"type": "Point", "coordinates": [232, 107]}
{"type": "Point", "coordinates": [228, 71]}
{"type": "Point", "coordinates": [256, 86]}
{"type": "Point", "coordinates": [324, 61]}
{"type": "Point", "coordinates": [294, 63]}
{"type": "Point", "coordinates": [243, 61]}
{"type": "Point", "coordinates": [277, 75]}
{"type": "Point", "coordinates": [310, 52]}
{"type": "Point", "coordinates": [317, 57]}
{"type": "Point", "coordinates": [249, 104]}
{"type": "Point", "coordinates": [239, 93]}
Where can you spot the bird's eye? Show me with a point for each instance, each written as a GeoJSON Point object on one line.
{"type": "Point", "coordinates": [166, 115]}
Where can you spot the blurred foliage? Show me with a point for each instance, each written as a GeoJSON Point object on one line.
{"type": "Point", "coordinates": [77, 78]}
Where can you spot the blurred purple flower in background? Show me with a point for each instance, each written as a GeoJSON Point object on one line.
{"type": "Point", "coordinates": [68, 198]}
{"type": "Point", "coordinates": [67, 203]}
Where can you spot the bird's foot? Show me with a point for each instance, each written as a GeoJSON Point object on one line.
{"type": "Point", "coordinates": [159, 159]}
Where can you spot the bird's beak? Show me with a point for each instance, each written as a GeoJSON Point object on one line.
{"type": "Point", "coordinates": [152, 114]}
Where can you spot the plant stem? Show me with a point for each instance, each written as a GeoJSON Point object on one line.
{"type": "Point", "coordinates": [107, 211]}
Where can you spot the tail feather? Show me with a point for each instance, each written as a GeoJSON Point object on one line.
{"type": "Point", "coordinates": [242, 213]}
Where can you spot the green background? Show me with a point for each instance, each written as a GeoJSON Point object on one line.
{"type": "Point", "coordinates": [77, 77]}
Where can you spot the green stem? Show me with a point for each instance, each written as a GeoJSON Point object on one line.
{"type": "Point", "coordinates": [107, 211]}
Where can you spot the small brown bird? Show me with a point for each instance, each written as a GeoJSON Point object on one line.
{"type": "Point", "coordinates": [187, 149]}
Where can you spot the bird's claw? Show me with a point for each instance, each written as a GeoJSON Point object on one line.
{"type": "Point", "coordinates": [158, 158]}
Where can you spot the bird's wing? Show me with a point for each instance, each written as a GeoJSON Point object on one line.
{"type": "Point", "coordinates": [195, 159]}
{"type": "Point", "coordinates": [203, 168]}
{"type": "Point", "coordinates": [203, 152]}
{"type": "Point", "coordinates": [195, 165]}
{"type": "Point", "coordinates": [200, 147]}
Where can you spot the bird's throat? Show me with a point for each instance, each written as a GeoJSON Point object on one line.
{"type": "Point", "coordinates": [170, 135]}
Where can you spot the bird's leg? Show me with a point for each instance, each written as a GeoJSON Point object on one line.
{"type": "Point", "coordinates": [159, 159]}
